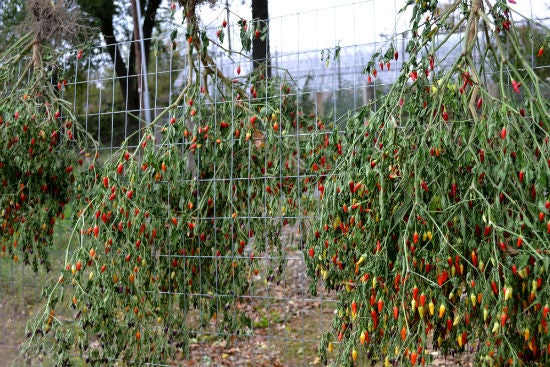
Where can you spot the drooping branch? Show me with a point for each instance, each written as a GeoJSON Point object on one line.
{"type": "Point", "coordinates": [210, 67]}
{"type": "Point", "coordinates": [51, 22]}
{"type": "Point", "coordinates": [470, 41]}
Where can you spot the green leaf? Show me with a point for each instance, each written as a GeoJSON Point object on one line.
{"type": "Point", "coordinates": [173, 35]}
{"type": "Point", "coordinates": [337, 50]}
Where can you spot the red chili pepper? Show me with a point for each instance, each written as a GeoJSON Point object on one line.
{"type": "Point", "coordinates": [425, 186]}
{"type": "Point", "coordinates": [422, 299]}
{"type": "Point", "coordinates": [414, 356]}
{"type": "Point", "coordinates": [520, 241]}
{"type": "Point", "coordinates": [374, 318]}
{"type": "Point", "coordinates": [515, 86]}
{"type": "Point", "coordinates": [503, 133]}
{"type": "Point", "coordinates": [494, 287]}
{"type": "Point", "coordinates": [503, 319]}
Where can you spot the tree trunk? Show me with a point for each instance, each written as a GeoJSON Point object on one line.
{"type": "Point", "coordinates": [137, 54]}
{"type": "Point", "coordinates": [126, 78]}
{"type": "Point", "coordinates": [149, 21]}
{"type": "Point", "coordinates": [260, 48]}
{"type": "Point", "coordinates": [127, 75]}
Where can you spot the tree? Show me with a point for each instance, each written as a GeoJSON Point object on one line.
{"type": "Point", "coordinates": [108, 20]}
{"type": "Point", "coordinates": [105, 13]}
{"type": "Point", "coordinates": [12, 14]}
{"type": "Point", "coordinates": [260, 45]}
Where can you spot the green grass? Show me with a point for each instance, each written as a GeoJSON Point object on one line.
{"type": "Point", "coordinates": [21, 291]}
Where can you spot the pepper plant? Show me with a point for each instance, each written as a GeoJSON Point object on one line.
{"type": "Point", "coordinates": [169, 235]}
{"type": "Point", "coordinates": [41, 153]}
{"type": "Point", "coordinates": [434, 225]}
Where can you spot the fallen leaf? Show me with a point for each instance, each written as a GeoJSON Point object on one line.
{"type": "Point", "coordinates": [316, 361]}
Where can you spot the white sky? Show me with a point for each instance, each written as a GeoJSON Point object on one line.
{"type": "Point", "coordinates": [319, 24]}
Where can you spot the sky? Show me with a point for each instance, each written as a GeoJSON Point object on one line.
{"type": "Point", "coordinates": [317, 24]}
{"type": "Point", "coordinates": [300, 30]}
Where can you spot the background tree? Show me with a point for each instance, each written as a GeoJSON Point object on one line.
{"type": "Point", "coordinates": [260, 45]}
{"type": "Point", "coordinates": [108, 20]}
{"type": "Point", "coordinates": [12, 14]}
{"type": "Point", "coordinates": [104, 14]}
{"type": "Point", "coordinates": [534, 40]}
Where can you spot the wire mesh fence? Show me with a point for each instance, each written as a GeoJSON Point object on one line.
{"type": "Point", "coordinates": [318, 58]}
